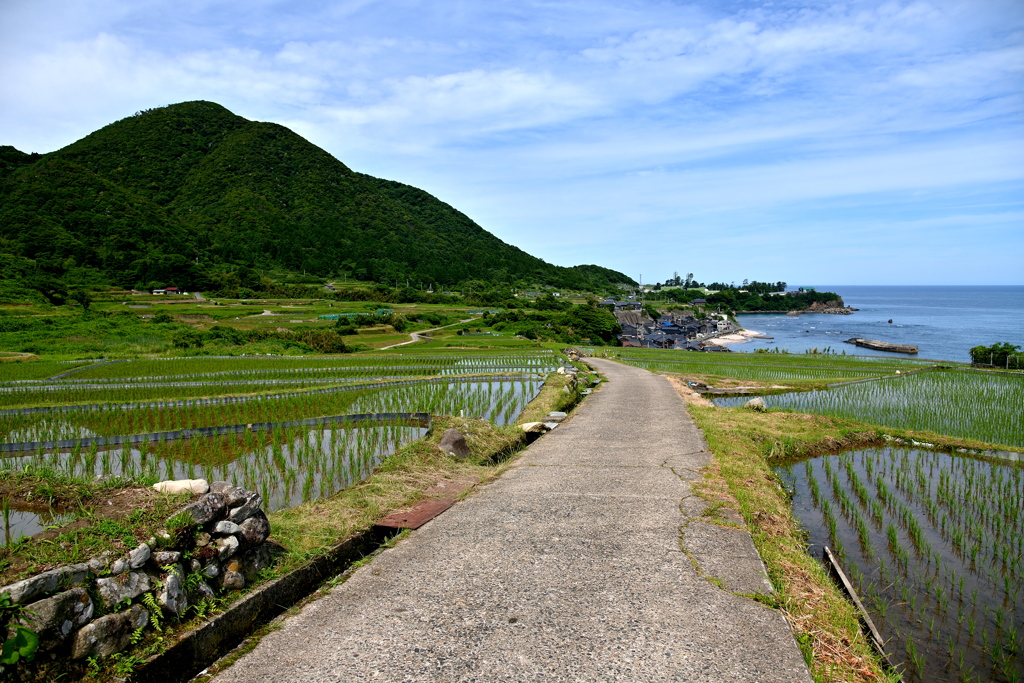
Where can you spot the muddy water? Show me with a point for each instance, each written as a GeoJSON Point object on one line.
{"type": "Point", "coordinates": [20, 522]}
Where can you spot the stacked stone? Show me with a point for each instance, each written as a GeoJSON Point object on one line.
{"type": "Point", "coordinates": [227, 551]}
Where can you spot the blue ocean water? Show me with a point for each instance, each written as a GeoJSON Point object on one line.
{"type": "Point", "coordinates": [944, 322]}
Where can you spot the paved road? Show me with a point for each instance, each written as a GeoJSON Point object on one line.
{"type": "Point", "coordinates": [579, 564]}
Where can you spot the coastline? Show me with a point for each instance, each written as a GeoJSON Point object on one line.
{"type": "Point", "coordinates": [736, 337]}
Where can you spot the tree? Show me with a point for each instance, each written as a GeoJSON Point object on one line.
{"type": "Point", "coordinates": [188, 339]}
{"type": "Point", "coordinates": [82, 298]}
{"type": "Point", "coordinates": [1000, 355]}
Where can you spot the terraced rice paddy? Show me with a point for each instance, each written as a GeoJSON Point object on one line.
{"type": "Point", "coordinates": [765, 367]}
{"type": "Point", "coordinates": [974, 405]}
{"type": "Point", "coordinates": [287, 465]}
{"type": "Point", "coordinates": [149, 380]}
{"type": "Point", "coordinates": [37, 370]}
{"type": "Point", "coordinates": [934, 544]}
{"type": "Point", "coordinates": [196, 366]}
{"type": "Point", "coordinates": [498, 400]}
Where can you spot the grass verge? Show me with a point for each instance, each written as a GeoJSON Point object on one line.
{"type": "Point", "coordinates": [311, 528]}
{"type": "Point", "coordinates": [745, 445]}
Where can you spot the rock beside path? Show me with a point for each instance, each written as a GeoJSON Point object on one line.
{"type": "Point", "coordinates": [453, 442]}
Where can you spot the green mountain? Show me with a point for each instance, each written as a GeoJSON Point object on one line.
{"type": "Point", "coordinates": [178, 194]}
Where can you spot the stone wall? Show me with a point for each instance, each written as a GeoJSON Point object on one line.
{"type": "Point", "coordinates": [93, 609]}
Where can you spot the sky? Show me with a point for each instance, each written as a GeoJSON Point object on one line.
{"type": "Point", "coordinates": [811, 142]}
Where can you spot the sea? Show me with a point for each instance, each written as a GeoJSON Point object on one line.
{"type": "Point", "coordinates": [944, 322]}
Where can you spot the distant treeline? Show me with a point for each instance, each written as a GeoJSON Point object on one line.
{"type": "Point", "coordinates": [734, 299]}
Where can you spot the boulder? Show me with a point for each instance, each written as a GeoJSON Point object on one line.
{"type": "Point", "coordinates": [226, 547]}
{"type": "Point", "coordinates": [162, 558]}
{"type": "Point", "coordinates": [139, 556]}
{"type": "Point", "coordinates": [233, 495]}
{"type": "Point", "coordinates": [127, 586]}
{"type": "Point", "coordinates": [109, 634]}
{"type": "Point", "coordinates": [47, 583]}
{"type": "Point", "coordinates": [232, 578]}
{"type": "Point", "coordinates": [253, 503]}
{"type": "Point", "coordinates": [757, 404]}
{"type": "Point", "coordinates": [201, 592]}
{"type": "Point", "coordinates": [454, 443]}
{"type": "Point", "coordinates": [254, 530]}
{"type": "Point", "coordinates": [206, 509]}
{"type": "Point", "coordinates": [198, 486]}
{"type": "Point", "coordinates": [172, 598]}
{"type": "Point", "coordinates": [220, 486]}
{"type": "Point", "coordinates": [99, 564]}
{"type": "Point", "coordinates": [226, 528]}
{"type": "Point", "coordinates": [54, 619]}
{"type": "Point", "coordinates": [255, 560]}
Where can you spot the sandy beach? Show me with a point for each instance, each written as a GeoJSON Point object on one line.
{"type": "Point", "coordinates": [736, 337]}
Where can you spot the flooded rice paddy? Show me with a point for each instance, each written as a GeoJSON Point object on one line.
{"type": "Point", "coordinates": [287, 464]}
{"type": "Point", "coordinates": [498, 400]}
{"type": "Point", "coordinates": [934, 545]}
{"type": "Point", "coordinates": [974, 405]}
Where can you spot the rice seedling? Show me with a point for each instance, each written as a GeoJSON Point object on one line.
{"type": "Point", "coordinates": [942, 537]}
{"type": "Point", "coordinates": [290, 465]}
{"type": "Point", "coordinates": [953, 402]}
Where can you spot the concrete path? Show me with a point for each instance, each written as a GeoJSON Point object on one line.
{"type": "Point", "coordinates": [586, 561]}
{"type": "Point", "coordinates": [418, 336]}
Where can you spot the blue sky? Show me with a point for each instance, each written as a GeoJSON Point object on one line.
{"type": "Point", "coordinates": [811, 142]}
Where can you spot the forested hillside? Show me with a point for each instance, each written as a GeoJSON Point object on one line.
{"type": "Point", "coordinates": [184, 193]}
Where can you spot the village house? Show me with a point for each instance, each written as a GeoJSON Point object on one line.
{"type": "Point", "coordinates": [672, 332]}
{"type": "Point", "coordinates": [622, 305]}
